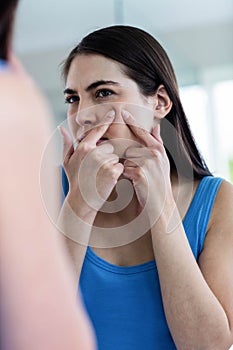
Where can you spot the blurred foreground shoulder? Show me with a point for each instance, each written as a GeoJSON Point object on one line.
{"type": "Point", "coordinates": [23, 108]}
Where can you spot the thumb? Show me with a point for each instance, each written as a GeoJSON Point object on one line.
{"type": "Point", "coordinates": [68, 147]}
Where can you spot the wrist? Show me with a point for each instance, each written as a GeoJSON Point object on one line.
{"type": "Point", "coordinates": [169, 218]}
{"type": "Point", "coordinates": [75, 220]}
{"type": "Point", "coordinates": [84, 211]}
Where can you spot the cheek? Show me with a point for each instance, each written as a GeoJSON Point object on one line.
{"type": "Point", "coordinates": [144, 116]}
{"type": "Point", "coordinates": [73, 126]}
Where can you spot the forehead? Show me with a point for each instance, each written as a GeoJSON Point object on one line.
{"type": "Point", "coordinates": [89, 68]}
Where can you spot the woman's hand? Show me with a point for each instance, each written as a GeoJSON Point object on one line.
{"type": "Point", "coordinates": [92, 170]}
{"type": "Point", "coordinates": [148, 168]}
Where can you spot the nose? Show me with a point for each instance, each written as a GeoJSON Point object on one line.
{"type": "Point", "coordinates": [118, 117]}
{"type": "Point", "coordinates": [86, 116]}
{"type": "Point", "coordinates": [93, 115]}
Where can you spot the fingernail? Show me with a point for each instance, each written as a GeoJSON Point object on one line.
{"type": "Point", "coordinates": [125, 114]}
{"type": "Point", "coordinates": [111, 114]}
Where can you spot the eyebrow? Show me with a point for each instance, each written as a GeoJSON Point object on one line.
{"type": "Point", "coordinates": [92, 86]}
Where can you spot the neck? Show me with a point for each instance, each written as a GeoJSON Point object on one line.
{"type": "Point", "coordinates": [121, 206]}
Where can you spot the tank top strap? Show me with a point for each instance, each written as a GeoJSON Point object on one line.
{"type": "Point", "coordinates": [197, 218]}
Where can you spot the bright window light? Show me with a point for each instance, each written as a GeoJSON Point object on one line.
{"type": "Point", "coordinates": [210, 114]}
{"type": "Point", "coordinates": [223, 93]}
{"type": "Point", "coordinates": [194, 100]}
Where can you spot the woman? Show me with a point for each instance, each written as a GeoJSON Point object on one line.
{"type": "Point", "coordinates": [39, 309]}
{"type": "Point", "coordinates": [170, 285]}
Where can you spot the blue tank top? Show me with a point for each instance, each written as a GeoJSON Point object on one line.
{"type": "Point", "coordinates": [3, 65]}
{"type": "Point", "coordinates": [125, 303]}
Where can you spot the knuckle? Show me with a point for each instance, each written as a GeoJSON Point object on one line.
{"type": "Point", "coordinates": [99, 128]}
{"type": "Point", "coordinates": [107, 167]}
{"type": "Point", "coordinates": [140, 133]}
{"type": "Point", "coordinates": [84, 147]}
{"type": "Point", "coordinates": [102, 160]}
{"type": "Point", "coordinates": [115, 173]}
{"type": "Point", "coordinates": [138, 172]}
{"type": "Point", "coordinates": [110, 171]}
{"type": "Point", "coordinates": [109, 147]}
{"type": "Point", "coordinates": [161, 148]}
{"type": "Point", "coordinates": [156, 153]}
{"type": "Point", "coordinates": [65, 160]}
{"type": "Point", "coordinates": [115, 158]}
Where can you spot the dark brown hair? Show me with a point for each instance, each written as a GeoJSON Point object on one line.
{"type": "Point", "coordinates": [146, 62]}
{"type": "Point", "coordinates": [7, 13]}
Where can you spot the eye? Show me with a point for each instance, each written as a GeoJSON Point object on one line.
{"type": "Point", "coordinates": [72, 99]}
{"type": "Point", "coordinates": [103, 93]}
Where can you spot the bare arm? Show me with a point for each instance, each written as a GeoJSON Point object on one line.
{"type": "Point", "coordinates": [198, 299]}
{"type": "Point", "coordinates": [39, 305]}
{"type": "Point", "coordinates": [78, 214]}
{"type": "Point", "coordinates": [76, 225]}
{"type": "Point", "coordinates": [197, 304]}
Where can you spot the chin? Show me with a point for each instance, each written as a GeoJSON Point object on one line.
{"type": "Point", "coordinates": [121, 145]}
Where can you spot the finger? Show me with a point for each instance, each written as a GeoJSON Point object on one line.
{"type": "Point", "coordinates": [156, 133]}
{"type": "Point", "coordinates": [132, 163]}
{"type": "Point", "coordinates": [99, 152]}
{"type": "Point", "coordinates": [138, 131]}
{"type": "Point", "coordinates": [118, 170]}
{"type": "Point", "coordinates": [137, 152]}
{"type": "Point", "coordinates": [105, 147]}
{"type": "Point", "coordinates": [113, 159]}
{"type": "Point", "coordinates": [96, 133]}
{"type": "Point", "coordinates": [129, 173]}
{"type": "Point", "coordinates": [68, 147]}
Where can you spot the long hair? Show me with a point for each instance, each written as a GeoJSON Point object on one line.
{"type": "Point", "coordinates": [7, 13]}
{"type": "Point", "coordinates": [146, 62]}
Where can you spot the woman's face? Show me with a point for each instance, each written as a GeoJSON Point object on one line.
{"type": "Point", "coordinates": [96, 85]}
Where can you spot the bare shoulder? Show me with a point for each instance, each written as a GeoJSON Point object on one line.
{"type": "Point", "coordinates": [219, 237]}
{"type": "Point", "coordinates": [22, 105]}
{"type": "Point", "coordinates": [222, 213]}
{"type": "Point", "coordinates": [24, 132]}
{"type": "Point", "coordinates": [219, 234]}
{"type": "Point", "coordinates": [216, 258]}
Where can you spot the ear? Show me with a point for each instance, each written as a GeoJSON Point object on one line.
{"type": "Point", "coordinates": [162, 103]}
